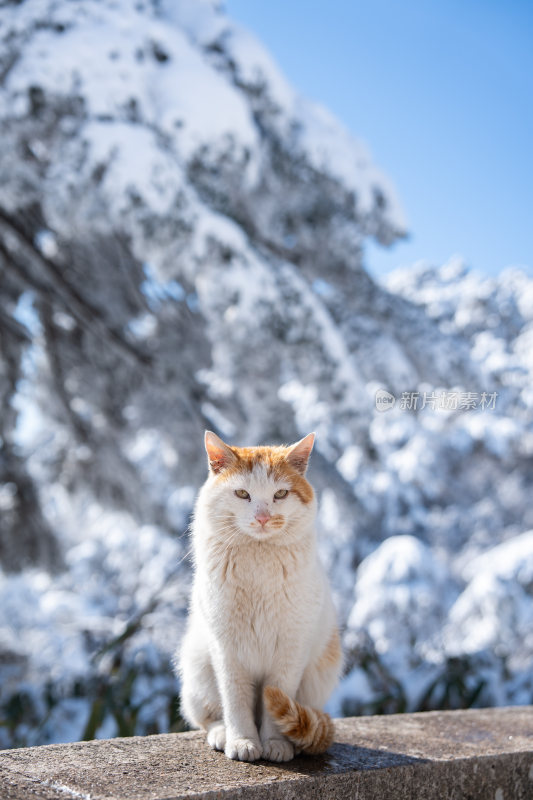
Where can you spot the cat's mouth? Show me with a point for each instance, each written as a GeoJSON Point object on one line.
{"type": "Point", "coordinates": [275, 523]}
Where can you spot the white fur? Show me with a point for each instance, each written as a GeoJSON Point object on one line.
{"type": "Point", "coordinates": [261, 614]}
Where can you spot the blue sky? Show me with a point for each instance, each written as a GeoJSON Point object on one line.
{"type": "Point", "coordinates": [442, 92]}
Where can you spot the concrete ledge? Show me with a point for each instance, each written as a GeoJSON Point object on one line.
{"type": "Point", "coordinates": [477, 754]}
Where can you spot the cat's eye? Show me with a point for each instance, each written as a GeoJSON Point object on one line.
{"type": "Point", "coordinates": [242, 493]}
{"type": "Point", "coordinates": [280, 494]}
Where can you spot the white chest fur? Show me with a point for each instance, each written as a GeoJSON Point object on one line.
{"type": "Point", "coordinates": [260, 599]}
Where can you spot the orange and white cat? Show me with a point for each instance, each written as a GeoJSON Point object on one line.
{"type": "Point", "coordinates": [261, 653]}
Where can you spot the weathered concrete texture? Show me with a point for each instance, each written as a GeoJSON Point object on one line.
{"type": "Point", "coordinates": [480, 755]}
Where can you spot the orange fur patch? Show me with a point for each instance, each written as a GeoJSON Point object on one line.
{"type": "Point", "coordinates": [274, 459]}
{"type": "Point", "coordinates": [332, 653]}
{"type": "Point", "coordinates": [277, 702]}
{"type": "Point", "coordinates": [310, 729]}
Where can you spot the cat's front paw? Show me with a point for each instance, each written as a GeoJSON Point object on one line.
{"type": "Point", "coordinates": [216, 736]}
{"type": "Point", "coordinates": [243, 749]}
{"type": "Point", "coordinates": [277, 749]}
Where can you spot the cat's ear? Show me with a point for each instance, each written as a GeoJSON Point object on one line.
{"type": "Point", "coordinates": [219, 454]}
{"type": "Point", "coordinates": [298, 455]}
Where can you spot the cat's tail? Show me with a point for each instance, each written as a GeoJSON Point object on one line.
{"type": "Point", "coordinates": [309, 729]}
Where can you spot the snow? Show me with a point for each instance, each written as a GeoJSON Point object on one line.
{"type": "Point", "coordinates": [199, 18]}
{"type": "Point", "coordinates": [331, 147]}
{"type": "Point", "coordinates": [400, 592]}
{"type": "Point", "coordinates": [107, 55]}
{"type": "Point", "coordinates": [482, 614]}
{"type": "Point", "coordinates": [511, 560]}
{"type": "Point", "coordinates": [103, 56]}
{"type": "Point", "coordinates": [412, 611]}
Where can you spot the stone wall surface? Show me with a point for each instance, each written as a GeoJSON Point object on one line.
{"type": "Point", "coordinates": [484, 754]}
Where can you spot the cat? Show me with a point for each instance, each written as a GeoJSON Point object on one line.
{"type": "Point", "coordinates": [261, 652]}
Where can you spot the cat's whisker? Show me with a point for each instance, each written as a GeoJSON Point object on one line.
{"type": "Point", "coordinates": [229, 528]}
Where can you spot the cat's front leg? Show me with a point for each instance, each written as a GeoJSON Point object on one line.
{"type": "Point", "coordinates": [237, 692]}
{"type": "Point", "coordinates": [276, 747]}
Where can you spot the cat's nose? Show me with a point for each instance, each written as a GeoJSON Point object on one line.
{"type": "Point", "coordinates": [262, 517]}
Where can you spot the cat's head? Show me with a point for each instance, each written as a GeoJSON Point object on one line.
{"type": "Point", "coordinates": [260, 492]}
